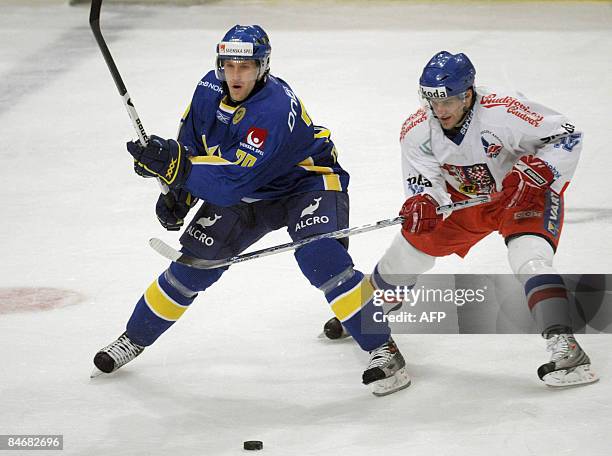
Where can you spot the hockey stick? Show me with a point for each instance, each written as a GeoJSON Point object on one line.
{"type": "Point", "coordinates": [94, 23]}
{"type": "Point", "coordinates": [166, 251]}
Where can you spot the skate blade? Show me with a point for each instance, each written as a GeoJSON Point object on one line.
{"type": "Point", "coordinates": [389, 385]}
{"type": "Point", "coordinates": [581, 375]}
{"type": "Point", "coordinates": [95, 373]}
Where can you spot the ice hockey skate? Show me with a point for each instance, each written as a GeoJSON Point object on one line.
{"type": "Point", "coordinates": [386, 372]}
{"type": "Point", "coordinates": [569, 365]}
{"type": "Point", "coordinates": [115, 355]}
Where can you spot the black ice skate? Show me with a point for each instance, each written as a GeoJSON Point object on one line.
{"type": "Point", "coordinates": [569, 365]}
{"type": "Point", "coordinates": [386, 372]}
{"type": "Point", "coordinates": [115, 355]}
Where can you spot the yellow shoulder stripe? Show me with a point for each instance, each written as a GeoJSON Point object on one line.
{"type": "Point", "coordinates": [308, 162]}
{"type": "Point", "coordinates": [209, 160]}
{"type": "Point", "coordinates": [186, 113]}
{"type": "Point", "coordinates": [324, 133]}
{"type": "Point", "coordinates": [317, 169]}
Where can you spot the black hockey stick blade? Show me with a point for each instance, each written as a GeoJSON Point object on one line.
{"type": "Point", "coordinates": [199, 263]}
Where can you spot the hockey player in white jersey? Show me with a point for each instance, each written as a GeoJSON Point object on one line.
{"type": "Point", "coordinates": [467, 141]}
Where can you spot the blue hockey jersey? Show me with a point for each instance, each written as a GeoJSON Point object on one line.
{"type": "Point", "coordinates": [265, 148]}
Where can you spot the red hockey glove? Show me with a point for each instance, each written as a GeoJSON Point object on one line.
{"type": "Point", "coordinates": [526, 184]}
{"type": "Point", "coordinates": [419, 212]}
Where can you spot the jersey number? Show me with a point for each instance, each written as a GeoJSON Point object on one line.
{"type": "Point", "coordinates": [244, 159]}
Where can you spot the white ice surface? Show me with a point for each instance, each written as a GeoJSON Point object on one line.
{"type": "Point", "coordinates": [245, 363]}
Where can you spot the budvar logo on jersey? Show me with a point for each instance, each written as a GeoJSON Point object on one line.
{"type": "Point", "coordinates": [310, 210]}
{"type": "Point", "coordinates": [434, 92]}
{"type": "Point", "coordinates": [230, 48]}
{"type": "Point", "coordinates": [514, 107]}
{"type": "Point", "coordinates": [412, 121]}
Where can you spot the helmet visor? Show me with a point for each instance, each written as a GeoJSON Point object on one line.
{"type": "Point", "coordinates": [237, 70]}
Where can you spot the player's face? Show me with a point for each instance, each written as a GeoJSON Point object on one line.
{"type": "Point", "coordinates": [240, 76]}
{"type": "Point", "coordinates": [450, 111]}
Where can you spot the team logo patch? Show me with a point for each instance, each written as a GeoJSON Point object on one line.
{"type": "Point", "coordinates": [311, 208]}
{"type": "Point", "coordinates": [256, 137]}
{"type": "Point", "coordinates": [491, 143]}
{"type": "Point", "coordinates": [199, 233]}
{"type": "Point", "coordinates": [208, 221]}
{"type": "Point", "coordinates": [307, 217]}
{"type": "Point", "coordinates": [238, 115]}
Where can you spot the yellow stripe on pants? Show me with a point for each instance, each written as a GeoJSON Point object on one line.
{"type": "Point", "coordinates": [332, 182]}
{"type": "Point", "coordinates": [161, 304]}
{"type": "Point", "coordinates": [348, 304]}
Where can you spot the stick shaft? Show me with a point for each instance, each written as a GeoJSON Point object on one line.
{"type": "Point", "coordinates": [167, 251]}
{"type": "Point", "coordinates": [94, 23]}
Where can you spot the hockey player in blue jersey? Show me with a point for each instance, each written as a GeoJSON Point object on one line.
{"type": "Point", "coordinates": [249, 150]}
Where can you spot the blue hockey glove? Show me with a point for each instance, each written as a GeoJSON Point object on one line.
{"type": "Point", "coordinates": [163, 158]}
{"type": "Point", "coordinates": [141, 171]}
{"type": "Point", "coordinates": [172, 208]}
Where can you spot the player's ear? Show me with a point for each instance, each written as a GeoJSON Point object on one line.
{"type": "Point", "coordinates": [469, 95]}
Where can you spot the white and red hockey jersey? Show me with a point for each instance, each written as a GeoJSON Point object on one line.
{"type": "Point", "coordinates": [501, 128]}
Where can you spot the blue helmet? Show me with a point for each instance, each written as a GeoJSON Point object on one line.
{"type": "Point", "coordinates": [244, 42]}
{"type": "Point", "coordinates": [446, 75]}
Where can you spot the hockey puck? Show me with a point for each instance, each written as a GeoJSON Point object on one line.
{"type": "Point", "coordinates": [253, 445]}
{"type": "Point", "coordinates": [333, 329]}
